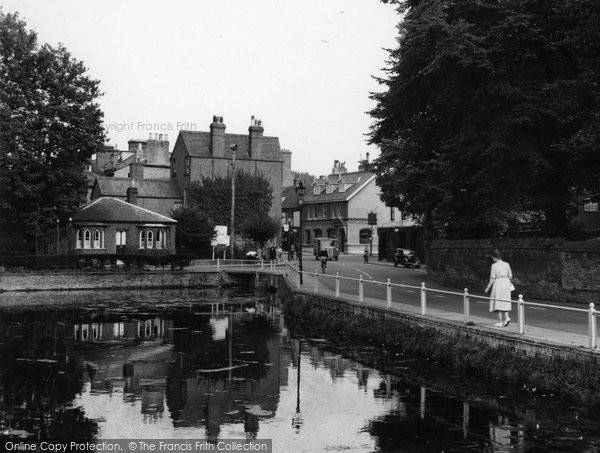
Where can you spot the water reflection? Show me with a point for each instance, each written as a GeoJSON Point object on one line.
{"type": "Point", "coordinates": [222, 364]}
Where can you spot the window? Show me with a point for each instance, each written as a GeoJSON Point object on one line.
{"type": "Point", "coordinates": [149, 239]}
{"type": "Point", "coordinates": [143, 239]}
{"type": "Point", "coordinates": [87, 239]}
{"type": "Point", "coordinates": [316, 190]}
{"type": "Point", "coordinates": [324, 211]}
{"type": "Point", "coordinates": [173, 167]}
{"type": "Point", "coordinates": [98, 239]}
{"type": "Point", "coordinates": [161, 239]}
{"type": "Point", "coordinates": [331, 233]}
{"type": "Point", "coordinates": [188, 164]}
{"type": "Point", "coordinates": [121, 238]}
{"type": "Point", "coordinates": [307, 236]}
{"type": "Point", "coordinates": [364, 236]}
{"type": "Point", "coordinates": [318, 233]}
{"type": "Point", "coordinates": [79, 242]}
{"type": "Point", "coordinates": [591, 206]}
{"type": "Point", "coordinates": [392, 215]}
{"type": "Point", "coordinates": [118, 330]}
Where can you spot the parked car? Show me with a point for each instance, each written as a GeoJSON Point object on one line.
{"type": "Point", "coordinates": [406, 258]}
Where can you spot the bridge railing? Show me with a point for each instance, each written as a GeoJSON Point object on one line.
{"type": "Point", "coordinates": [293, 274]}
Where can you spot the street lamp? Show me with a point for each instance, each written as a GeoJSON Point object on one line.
{"type": "Point", "coordinates": [300, 195]}
{"type": "Point", "coordinates": [233, 148]}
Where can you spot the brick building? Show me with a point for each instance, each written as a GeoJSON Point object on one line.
{"type": "Point", "coordinates": [111, 225]}
{"type": "Point", "coordinates": [199, 154]}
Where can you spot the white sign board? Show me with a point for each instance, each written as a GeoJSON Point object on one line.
{"type": "Point", "coordinates": [221, 237]}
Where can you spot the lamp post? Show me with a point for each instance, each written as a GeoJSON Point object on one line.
{"type": "Point", "coordinates": [233, 148]}
{"type": "Point", "coordinates": [300, 195]}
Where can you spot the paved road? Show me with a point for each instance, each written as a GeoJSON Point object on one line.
{"type": "Point", "coordinates": [353, 266]}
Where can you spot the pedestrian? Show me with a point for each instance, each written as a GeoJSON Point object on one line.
{"type": "Point", "coordinates": [501, 284]}
{"type": "Point", "coordinates": [273, 253]}
{"type": "Point", "coordinates": [279, 254]}
{"type": "Point", "coordinates": [291, 252]}
{"type": "Point", "coordinates": [366, 255]}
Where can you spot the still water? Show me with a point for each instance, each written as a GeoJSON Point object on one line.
{"type": "Point", "coordinates": [222, 364]}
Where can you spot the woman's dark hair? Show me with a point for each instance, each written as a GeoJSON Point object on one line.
{"type": "Point", "coordinates": [496, 254]}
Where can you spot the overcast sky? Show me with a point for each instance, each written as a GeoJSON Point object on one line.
{"type": "Point", "coordinates": [304, 68]}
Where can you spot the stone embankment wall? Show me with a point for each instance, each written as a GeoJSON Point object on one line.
{"type": "Point", "coordinates": [508, 357]}
{"type": "Point", "coordinates": [110, 280]}
{"type": "Point", "coordinates": [545, 269]}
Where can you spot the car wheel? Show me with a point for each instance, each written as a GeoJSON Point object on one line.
{"type": "Point", "coordinates": [336, 258]}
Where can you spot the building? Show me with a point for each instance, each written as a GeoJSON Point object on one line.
{"type": "Point", "coordinates": [588, 215]}
{"type": "Point", "coordinates": [199, 154]}
{"type": "Point", "coordinates": [162, 197]}
{"type": "Point", "coordinates": [113, 226]}
{"type": "Point", "coordinates": [340, 206]}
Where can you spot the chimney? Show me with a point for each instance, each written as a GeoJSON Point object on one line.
{"type": "Point", "coordinates": [217, 137]}
{"type": "Point", "coordinates": [132, 195]}
{"type": "Point", "coordinates": [255, 139]}
{"type": "Point", "coordinates": [136, 170]}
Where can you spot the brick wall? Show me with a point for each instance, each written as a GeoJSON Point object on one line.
{"type": "Point", "coordinates": [546, 269]}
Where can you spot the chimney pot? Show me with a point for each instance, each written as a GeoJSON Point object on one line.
{"type": "Point", "coordinates": [221, 119]}
{"type": "Point", "coordinates": [149, 135]}
{"type": "Point", "coordinates": [160, 137]}
{"type": "Point", "coordinates": [166, 137]}
{"type": "Point", "coordinates": [215, 118]}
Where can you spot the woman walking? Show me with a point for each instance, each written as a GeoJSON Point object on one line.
{"type": "Point", "coordinates": [500, 282]}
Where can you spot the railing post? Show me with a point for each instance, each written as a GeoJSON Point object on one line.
{"type": "Point", "coordinates": [423, 299]}
{"type": "Point", "coordinates": [592, 326]}
{"type": "Point", "coordinates": [389, 293]}
{"type": "Point", "coordinates": [521, 314]}
{"type": "Point", "coordinates": [262, 264]}
{"type": "Point", "coordinates": [218, 265]}
{"type": "Point", "coordinates": [467, 306]}
{"type": "Point", "coordinates": [337, 284]}
{"type": "Point", "coordinates": [316, 282]}
{"type": "Point", "coordinates": [360, 289]}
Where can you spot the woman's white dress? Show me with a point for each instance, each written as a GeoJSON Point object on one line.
{"type": "Point", "coordinates": [501, 288]}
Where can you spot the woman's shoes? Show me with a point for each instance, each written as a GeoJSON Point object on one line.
{"type": "Point", "coordinates": [506, 323]}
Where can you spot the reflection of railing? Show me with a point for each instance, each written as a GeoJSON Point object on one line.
{"type": "Point", "coordinates": [293, 274]}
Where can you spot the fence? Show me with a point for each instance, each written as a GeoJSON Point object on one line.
{"type": "Point", "coordinates": [293, 274]}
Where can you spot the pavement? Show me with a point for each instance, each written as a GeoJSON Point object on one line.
{"type": "Point", "coordinates": [553, 323]}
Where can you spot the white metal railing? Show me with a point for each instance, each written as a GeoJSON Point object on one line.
{"type": "Point", "coordinates": [293, 274]}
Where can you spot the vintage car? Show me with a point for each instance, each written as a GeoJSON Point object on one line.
{"type": "Point", "coordinates": [406, 258]}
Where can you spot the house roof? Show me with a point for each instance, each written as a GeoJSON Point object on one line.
{"type": "Point", "coordinates": [114, 210]}
{"type": "Point", "coordinates": [355, 180]}
{"type": "Point", "coordinates": [197, 144]}
{"type": "Point", "coordinates": [289, 200]}
{"type": "Point", "coordinates": [147, 188]}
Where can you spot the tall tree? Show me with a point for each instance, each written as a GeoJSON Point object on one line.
{"type": "Point", "coordinates": [212, 197]}
{"type": "Point", "coordinates": [195, 232]}
{"type": "Point", "coordinates": [490, 112]}
{"type": "Point", "coordinates": [50, 125]}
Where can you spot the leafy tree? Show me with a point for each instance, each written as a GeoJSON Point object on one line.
{"type": "Point", "coordinates": [253, 198]}
{"type": "Point", "coordinates": [260, 229]}
{"type": "Point", "coordinates": [50, 125]}
{"type": "Point", "coordinates": [195, 231]}
{"type": "Point", "coordinates": [490, 113]}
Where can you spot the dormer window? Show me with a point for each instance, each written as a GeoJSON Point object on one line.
{"type": "Point", "coordinates": [316, 189]}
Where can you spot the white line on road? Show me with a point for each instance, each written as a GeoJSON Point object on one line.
{"type": "Point", "coordinates": [363, 272]}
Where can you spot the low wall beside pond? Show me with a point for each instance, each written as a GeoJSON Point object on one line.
{"type": "Point", "coordinates": [559, 368]}
{"type": "Point", "coordinates": [45, 281]}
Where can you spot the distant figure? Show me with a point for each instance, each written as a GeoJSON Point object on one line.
{"type": "Point", "coordinates": [500, 282]}
{"type": "Point", "coordinates": [366, 255]}
{"type": "Point", "coordinates": [291, 252]}
{"type": "Point", "coordinates": [273, 253]}
{"type": "Point", "coordinates": [279, 253]}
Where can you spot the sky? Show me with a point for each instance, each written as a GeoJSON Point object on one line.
{"type": "Point", "coordinates": [305, 69]}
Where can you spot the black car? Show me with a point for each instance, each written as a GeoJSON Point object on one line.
{"type": "Point", "coordinates": [406, 258]}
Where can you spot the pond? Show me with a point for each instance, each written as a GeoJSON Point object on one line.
{"type": "Point", "coordinates": [223, 364]}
